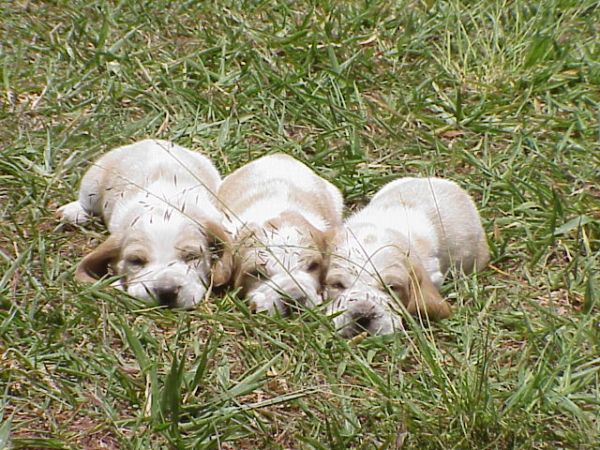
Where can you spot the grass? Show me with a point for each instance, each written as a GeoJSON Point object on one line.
{"type": "Point", "coordinates": [501, 96]}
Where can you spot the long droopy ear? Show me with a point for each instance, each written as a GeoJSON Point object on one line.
{"type": "Point", "coordinates": [220, 244]}
{"type": "Point", "coordinates": [95, 265]}
{"type": "Point", "coordinates": [324, 241]}
{"type": "Point", "coordinates": [245, 239]}
{"type": "Point", "coordinates": [424, 298]}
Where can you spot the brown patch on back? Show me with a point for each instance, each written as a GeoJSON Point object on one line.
{"type": "Point", "coordinates": [233, 192]}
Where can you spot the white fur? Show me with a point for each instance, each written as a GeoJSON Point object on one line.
{"type": "Point", "coordinates": [270, 189]}
{"type": "Point", "coordinates": [282, 176]}
{"type": "Point", "coordinates": [430, 223]}
{"type": "Point", "coordinates": [156, 198]}
{"type": "Point", "coordinates": [411, 223]}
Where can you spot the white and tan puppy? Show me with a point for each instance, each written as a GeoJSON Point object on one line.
{"type": "Point", "coordinates": [399, 248]}
{"type": "Point", "coordinates": [158, 202]}
{"type": "Point", "coordinates": [280, 214]}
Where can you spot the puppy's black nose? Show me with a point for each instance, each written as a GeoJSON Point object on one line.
{"type": "Point", "coordinates": [293, 305]}
{"type": "Point", "coordinates": [300, 301]}
{"type": "Point", "coordinates": [363, 322]}
{"type": "Point", "coordinates": [359, 323]}
{"type": "Point", "coordinates": [167, 296]}
{"type": "Point", "coordinates": [363, 317]}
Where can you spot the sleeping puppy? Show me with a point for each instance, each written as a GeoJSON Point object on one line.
{"type": "Point", "coordinates": [157, 201]}
{"type": "Point", "coordinates": [398, 249]}
{"type": "Point", "coordinates": [280, 214]}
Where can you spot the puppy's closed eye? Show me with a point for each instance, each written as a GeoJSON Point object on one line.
{"type": "Point", "coordinates": [190, 256]}
{"type": "Point", "coordinates": [136, 261]}
{"type": "Point", "coordinates": [394, 287]}
{"type": "Point", "coordinates": [398, 290]}
{"type": "Point", "coordinates": [313, 266]}
{"type": "Point", "coordinates": [337, 285]}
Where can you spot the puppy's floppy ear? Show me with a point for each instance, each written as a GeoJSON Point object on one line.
{"type": "Point", "coordinates": [424, 297]}
{"type": "Point", "coordinates": [245, 239]}
{"type": "Point", "coordinates": [325, 238]}
{"type": "Point", "coordinates": [220, 245]}
{"type": "Point", "coordinates": [95, 265]}
{"type": "Point", "coordinates": [325, 241]}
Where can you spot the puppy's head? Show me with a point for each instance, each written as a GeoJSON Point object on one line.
{"type": "Point", "coordinates": [167, 259]}
{"type": "Point", "coordinates": [370, 284]}
{"type": "Point", "coordinates": [281, 266]}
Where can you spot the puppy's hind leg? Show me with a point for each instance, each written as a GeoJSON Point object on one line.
{"type": "Point", "coordinates": [72, 213]}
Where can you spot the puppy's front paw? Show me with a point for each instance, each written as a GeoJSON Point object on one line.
{"type": "Point", "coordinates": [72, 213]}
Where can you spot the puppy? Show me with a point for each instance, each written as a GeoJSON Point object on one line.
{"type": "Point", "coordinates": [399, 248]}
{"type": "Point", "coordinates": [157, 201]}
{"type": "Point", "coordinates": [280, 214]}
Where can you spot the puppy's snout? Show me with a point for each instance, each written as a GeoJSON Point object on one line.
{"type": "Point", "coordinates": [285, 306]}
{"type": "Point", "coordinates": [361, 316]}
{"type": "Point", "coordinates": [293, 304]}
{"type": "Point", "coordinates": [167, 295]}
{"type": "Point", "coordinates": [301, 300]}
{"type": "Point", "coordinates": [363, 322]}
{"type": "Point", "coordinates": [297, 299]}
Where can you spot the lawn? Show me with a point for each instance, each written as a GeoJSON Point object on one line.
{"type": "Point", "coordinates": [501, 96]}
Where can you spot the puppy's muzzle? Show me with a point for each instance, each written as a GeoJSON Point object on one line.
{"type": "Point", "coordinates": [286, 304]}
{"type": "Point", "coordinates": [285, 295]}
{"type": "Point", "coordinates": [167, 295]}
{"type": "Point", "coordinates": [361, 315]}
{"type": "Point", "coordinates": [293, 303]}
{"type": "Point", "coordinates": [363, 321]}
{"type": "Point", "coordinates": [364, 312]}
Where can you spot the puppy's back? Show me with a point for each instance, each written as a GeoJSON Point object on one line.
{"type": "Point", "coordinates": [453, 213]}
{"type": "Point", "coordinates": [133, 168]}
{"type": "Point", "coordinates": [280, 179]}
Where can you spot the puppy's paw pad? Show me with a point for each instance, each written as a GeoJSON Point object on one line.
{"type": "Point", "coordinates": [72, 213]}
